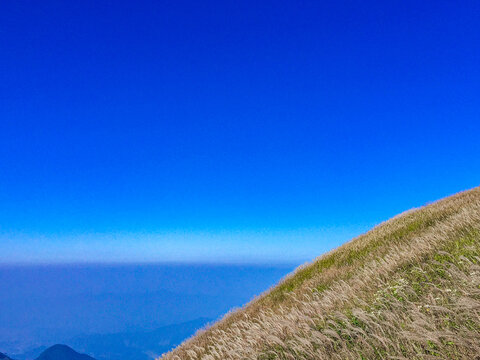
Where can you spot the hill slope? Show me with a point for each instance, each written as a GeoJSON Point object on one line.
{"type": "Point", "coordinates": [408, 289]}
{"type": "Point", "coordinates": [62, 352]}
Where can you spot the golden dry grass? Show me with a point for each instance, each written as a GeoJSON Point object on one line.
{"type": "Point", "coordinates": [407, 289]}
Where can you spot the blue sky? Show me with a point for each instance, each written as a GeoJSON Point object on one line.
{"type": "Point", "coordinates": [228, 131]}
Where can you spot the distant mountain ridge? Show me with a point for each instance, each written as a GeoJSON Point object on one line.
{"type": "Point", "coordinates": [129, 345]}
{"type": "Point", "coordinates": [4, 357]}
{"type": "Point", "coordinates": [62, 352]}
{"type": "Point", "coordinates": [56, 352]}
{"type": "Point", "coordinates": [137, 345]}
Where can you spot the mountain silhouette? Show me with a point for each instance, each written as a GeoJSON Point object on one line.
{"type": "Point", "coordinates": [4, 357]}
{"type": "Point", "coordinates": [62, 352]}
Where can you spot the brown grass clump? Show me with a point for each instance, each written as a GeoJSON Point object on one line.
{"type": "Point", "coordinates": [407, 289]}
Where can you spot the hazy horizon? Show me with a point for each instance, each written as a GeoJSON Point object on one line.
{"type": "Point", "coordinates": [240, 247]}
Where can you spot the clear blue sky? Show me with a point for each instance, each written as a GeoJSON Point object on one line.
{"type": "Point", "coordinates": [228, 130]}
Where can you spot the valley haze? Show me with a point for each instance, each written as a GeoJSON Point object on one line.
{"type": "Point", "coordinates": [85, 306]}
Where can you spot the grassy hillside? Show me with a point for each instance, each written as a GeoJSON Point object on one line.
{"type": "Point", "coordinates": [407, 289]}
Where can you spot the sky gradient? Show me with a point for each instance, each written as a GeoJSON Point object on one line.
{"type": "Point", "coordinates": [227, 131]}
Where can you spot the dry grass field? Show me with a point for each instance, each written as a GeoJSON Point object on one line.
{"type": "Point", "coordinates": [407, 289]}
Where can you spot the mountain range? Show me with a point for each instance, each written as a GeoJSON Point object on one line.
{"type": "Point", "coordinates": [136, 345]}
{"type": "Point", "coordinates": [4, 357]}
{"type": "Point", "coordinates": [128, 345]}
{"type": "Point", "coordinates": [57, 352]}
